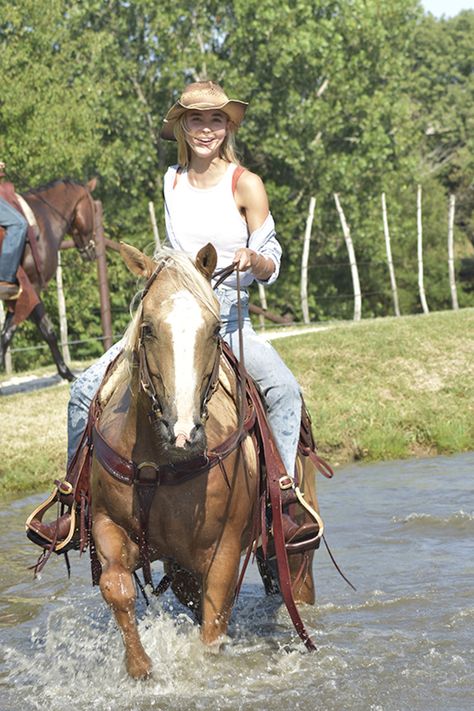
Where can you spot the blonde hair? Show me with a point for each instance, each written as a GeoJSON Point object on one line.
{"type": "Point", "coordinates": [227, 150]}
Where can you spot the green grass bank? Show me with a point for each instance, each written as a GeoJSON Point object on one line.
{"type": "Point", "coordinates": [381, 389]}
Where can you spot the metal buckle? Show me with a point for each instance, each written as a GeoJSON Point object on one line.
{"type": "Point", "coordinates": [286, 482]}
{"type": "Point", "coordinates": [146, 480]}
{"type": "Point", "coordinates": [65, 488]}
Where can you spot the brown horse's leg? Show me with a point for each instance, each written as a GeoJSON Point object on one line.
{"type": "Point", "coordinates": [115, 553]}
{"type": "Point", "coordinates": [8, 331]}
{"type": "Point", "coordinates": [41, 320]}
{"type": "Point", "coordinates": [186, 587]}
{"type": "Point", "coordinates": [301, 574]}
{"type": "Point", "coordinates": [219, 588]}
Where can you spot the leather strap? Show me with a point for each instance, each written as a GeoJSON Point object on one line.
{"type": "Point", "coordinates": [128, 472]}
{"type": "Point", "coordinates": [275, 470]}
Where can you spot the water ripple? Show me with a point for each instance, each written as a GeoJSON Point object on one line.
{"type": "Point", "coordinates": [460, 520]}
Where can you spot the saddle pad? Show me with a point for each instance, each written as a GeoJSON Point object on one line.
{"type": "Point", "coordinates": [27, 211]}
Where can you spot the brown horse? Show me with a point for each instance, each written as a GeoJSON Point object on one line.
{"type": "Point", "coordinates": [60, 208]}
{"type": "Point", "coordinates": [162, 408]}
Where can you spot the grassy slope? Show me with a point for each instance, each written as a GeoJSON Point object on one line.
{"type": "Point", "coordinates": [389, 388]}
{"type": "Point", "coordinates": [382, 389]}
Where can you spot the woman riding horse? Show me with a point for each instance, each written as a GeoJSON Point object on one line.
{"type": "Point", "coordinates": [209, 197]}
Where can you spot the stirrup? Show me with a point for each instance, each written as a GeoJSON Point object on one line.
{"type": "Point", "coordinates": [58, 546]}
{"type": "Point", "coordinates": [307, 543]}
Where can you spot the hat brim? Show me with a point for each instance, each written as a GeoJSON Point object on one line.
{"type": "Point", "coordinates": [234, 109]}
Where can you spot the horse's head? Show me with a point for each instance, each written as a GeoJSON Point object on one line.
{"type": "Point", "coordinates": [83, 223]}
{"type": "Point", "coordinates": [177, 344]}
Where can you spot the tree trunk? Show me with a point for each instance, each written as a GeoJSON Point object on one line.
{"type": "Point", "coordinates": [304, 261]}
{"type": "Point", "coordinates": [105, 310]}
{"type": "Point", "coordinates": [352, 260]}
{"type": "Point", "coordinates": [388, 248]}
{"type": "Point", "coordinates": [452, 276]}
{"type": "Point", "coordinates": [421, 286]}
{"type": "Point", "coordinates": [156, 235]}
{"type": "Point", "coordinates": [63, 333]}
{"type": "Point", "coordinates": [263, 303]}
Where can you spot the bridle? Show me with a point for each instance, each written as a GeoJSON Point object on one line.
{"type": "Point", "coordinates": [87, 251]}
{"type": "Point", "coordinates": [145, 378]}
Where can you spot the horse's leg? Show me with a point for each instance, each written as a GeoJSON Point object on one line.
{"type": "Point", "coordinates": [115, 552]}
{"type": "Point", "coordinates": [8, 331]}
{"type": "Point", "coordinates": [269, 573]}
{"type": "Point", "coordinates": [41, 320]}
{"type": "Point", "coordinates": [301, 575]}
{"type": "Point", "coordinates": [219, 587]}
{"type": "Point", "coordinates": [186, 587]}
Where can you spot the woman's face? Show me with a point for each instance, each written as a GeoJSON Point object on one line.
{"type": "Point", "coordinates": [206, 131]}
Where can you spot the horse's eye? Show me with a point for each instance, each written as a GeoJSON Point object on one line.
{"type": "Point", "coordinates": [217, 331]}
{"type": "Point", "coordinates": [146, 330]}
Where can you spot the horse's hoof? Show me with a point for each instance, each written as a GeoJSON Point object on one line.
{"type": "Point", "coordinates": [139, 669]}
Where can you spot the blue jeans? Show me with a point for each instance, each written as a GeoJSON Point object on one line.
{"type": "Point", "coordinates": [278, 385]}
{"type": "Point", "coordinates": [14, 241]}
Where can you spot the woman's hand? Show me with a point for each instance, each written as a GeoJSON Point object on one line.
{"type": "Point", "coordinates": [261, 267]}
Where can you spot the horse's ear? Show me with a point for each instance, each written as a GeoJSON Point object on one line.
{"type": "Point", "coordinates": [136, 261]}
{"type": "Point", "coordinates": [206, 260]}
{"type": "Point", "coordinates": [92, 184]}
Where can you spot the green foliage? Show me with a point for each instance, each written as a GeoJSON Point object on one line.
{"type": "Point", "coordinates": [346, 97]}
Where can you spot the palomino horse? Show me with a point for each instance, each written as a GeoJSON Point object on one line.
{"type": "Point", "coordinates": [161, 409]}
{"type": "Point", "coordinates": [60, 208]}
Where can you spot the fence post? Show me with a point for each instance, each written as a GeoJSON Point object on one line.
{"type": "Point", "coordinates": [352, 260]}
{"type": "Point", "coordinates": [388, 248]}
{"type": "Point", "coordinates": [304, 261]}
{"type": "Point", "coordinates": [105, 311]}
{"type": "Point", "coordinates": [63, 335]}
{"type": "Point", "coordinates": [8, 355]}
{"type": "Point", "coordinates": [156, 235]}
{"type": "Point", "coordinates": [421, 286]}
{"type": "Point", "coordinates": [452, 277]}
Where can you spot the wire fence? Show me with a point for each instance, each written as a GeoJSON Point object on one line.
{"type": "Point", "coordinates": [355, 297]}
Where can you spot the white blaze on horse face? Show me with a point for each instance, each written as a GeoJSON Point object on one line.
{"type": "Point", "coordinates": [185, 319]}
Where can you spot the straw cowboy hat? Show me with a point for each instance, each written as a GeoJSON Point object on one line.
{"type": "Point", "coordinates": [201, 96]}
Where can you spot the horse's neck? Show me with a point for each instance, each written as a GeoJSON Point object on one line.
{"type": "Point", "coordinates": [55, 207]}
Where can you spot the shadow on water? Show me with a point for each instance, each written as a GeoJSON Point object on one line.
{"type": "Point", "coordinates": [402, 531]}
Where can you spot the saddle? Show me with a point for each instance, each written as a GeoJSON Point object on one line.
{"type": "Point", "coordinates": [72, 497]}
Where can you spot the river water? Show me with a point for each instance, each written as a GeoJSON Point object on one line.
{"type": "Point", "coordinates": [401, 531]}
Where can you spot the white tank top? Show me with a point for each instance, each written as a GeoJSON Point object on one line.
{"type": "Point", "coordinates": [198, 216]}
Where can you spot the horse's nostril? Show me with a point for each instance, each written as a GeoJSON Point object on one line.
{"type": "Point", "coordinates": [196, 433]}
{"type": "Point", "coordinates": [168, 430]}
